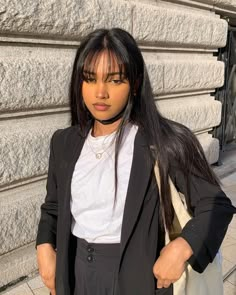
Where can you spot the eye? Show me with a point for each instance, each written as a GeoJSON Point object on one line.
{"type": "Point", "coordinates": [116, 81]}
{"type": "Point", "coordinates": [90, 80]}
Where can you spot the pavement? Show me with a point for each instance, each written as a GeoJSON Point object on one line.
{"type": "Point", "coordinates": [227, 175]}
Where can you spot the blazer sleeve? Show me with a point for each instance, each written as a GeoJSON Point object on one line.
{"type": "Point", "coordinates": [212, 213]}
{"type": "Point", "coordinates": [47, 227]}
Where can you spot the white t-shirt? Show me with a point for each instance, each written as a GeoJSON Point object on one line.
{"type": "Point", "coordinates": [93, 187]}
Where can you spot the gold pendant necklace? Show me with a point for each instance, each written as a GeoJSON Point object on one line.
{"type": "Point", "coordinates": [98, 155]}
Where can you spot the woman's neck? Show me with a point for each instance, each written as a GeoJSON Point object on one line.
{"type": "Point", "coordinates": [99, 129]}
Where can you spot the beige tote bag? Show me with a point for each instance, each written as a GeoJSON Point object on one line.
{"type": "Point", "coordinates": [210, 282]}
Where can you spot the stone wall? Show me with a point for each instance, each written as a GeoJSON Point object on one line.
{"type": "Point", "coordinates": [223, 7]}
{"type": "Point", "coordinates": [179, 41]}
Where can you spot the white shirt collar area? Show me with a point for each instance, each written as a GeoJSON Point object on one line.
{"type": "Point", "coordinates": [93, 188]}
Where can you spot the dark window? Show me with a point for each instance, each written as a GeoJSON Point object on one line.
{"type": "Point", "coordinates": [226, 132]}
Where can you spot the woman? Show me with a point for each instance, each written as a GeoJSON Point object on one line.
{"type": "Point", "coordinates": [101, 230]}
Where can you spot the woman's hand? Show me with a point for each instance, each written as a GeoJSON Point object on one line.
{"type": "Point", "coordinates": [171, 263]}
{"type": "Point", "coordinates": [46, 257]}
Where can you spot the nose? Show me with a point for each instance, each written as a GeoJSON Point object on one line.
{"type": "Point", "coordinates": [101, 91]}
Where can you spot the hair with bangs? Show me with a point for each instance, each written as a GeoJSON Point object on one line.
{"type": "Point", "coordinates": [170, 141]}
{"type": "Point", "coordinates": [121, 52]}
{"type": "Point", "coordinates": [92, 60]}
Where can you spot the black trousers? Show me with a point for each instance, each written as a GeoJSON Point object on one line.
{"type": "Point", "coordinates": [96, 268]}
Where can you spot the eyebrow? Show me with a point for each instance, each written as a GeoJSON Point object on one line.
{"type": "Point", "coordinates": [108, 74]}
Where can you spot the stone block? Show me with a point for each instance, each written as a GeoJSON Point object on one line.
{"type": "Point", "coordinates": [156, 74]}
{"type": "Point", "coordinates": [229, 289]}
{"type": "Point", "coordinates": [39, 79]}
{"type": "Point", "coordinates": [35, 79]}
{"type": "Point", "coordinates": [71, 20]}
{"type": "Point", "coordinates": [17, 264]}
{"type": "Point", "coordinates": [35, 283]}
{"type": "Point", "coordinates": [22, 289]}
{"type": "Point", "coordinates": [192, 75]}
{"type": "Point", "coordinates": [24, 146]}
{"type": "Point", "coordinates": [20, 212]}
{"type": "Point", "coordinates": [197, 112]}
{"type": "Point", "coordinates": [63, 19]}
{"type": "Point", "coordinates": [174, 27]}
{"type": "Point", "coordinates": [228, 4]}
{"type": "Point", "coordinates": [210, 146]}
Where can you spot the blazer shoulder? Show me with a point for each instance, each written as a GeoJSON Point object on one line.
{"type": "Point", "coordinates": [65, 134]}
{"type": "Point", "coordinates": [65, 137]}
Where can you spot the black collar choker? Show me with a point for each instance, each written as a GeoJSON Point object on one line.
{"type": "Point", "coordinates": [112, 120]}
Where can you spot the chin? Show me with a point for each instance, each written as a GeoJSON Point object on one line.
{"type": "Point", "coordinates": [100, 116]}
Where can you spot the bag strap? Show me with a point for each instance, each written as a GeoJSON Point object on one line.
{"type": "Point", "coordinates": [177, 199]}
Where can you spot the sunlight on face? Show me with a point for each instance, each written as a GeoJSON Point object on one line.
{"type": "Point", "coordinates": [105, 92]}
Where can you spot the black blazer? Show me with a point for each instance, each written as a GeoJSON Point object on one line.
{"type": "Point", "coordinates": [141, 236]}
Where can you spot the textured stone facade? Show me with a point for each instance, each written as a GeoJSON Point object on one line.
{"type": "Point", "coordinates": [178, 39]}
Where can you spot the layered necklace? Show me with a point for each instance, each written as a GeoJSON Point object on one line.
{"type": "Point", "coordinates": [98, 146]}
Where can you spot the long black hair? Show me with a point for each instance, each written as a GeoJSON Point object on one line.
{"type": "Point", "coordinates": [168, 140]}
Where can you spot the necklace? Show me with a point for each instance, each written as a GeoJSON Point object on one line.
{"type": "Point", "coordinates": [99, 153]}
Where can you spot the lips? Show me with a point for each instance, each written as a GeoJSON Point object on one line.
{"type": "Point", "coordinates": [101, 106]}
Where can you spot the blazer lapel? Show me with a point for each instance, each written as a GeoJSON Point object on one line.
{"type": "Point", "coordinates": [138, 183]}
{"type": "Point", "coordinates": [72, 145]}
{"type": "Point", "coordinates": [72, 152]}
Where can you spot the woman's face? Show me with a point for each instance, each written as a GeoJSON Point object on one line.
{"type": "Point", "coordinates": [105, 93]}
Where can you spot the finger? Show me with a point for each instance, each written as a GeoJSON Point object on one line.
{"type": "Point", "coordinates": [160, 284]}
{"type": "Point", "coordinates": [163, 284]}
{"type": "Point", "coordinates": [166, 283]}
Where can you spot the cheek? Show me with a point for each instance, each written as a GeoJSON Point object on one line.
{"type": "Point", "coordinates": [120, 91]}
{"type": "Point", "coordinates": [85, 91]}
{"type": "Point", "coordinates": [87, 94]}
{"type": "Point", "coordinates": [122, 95]}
